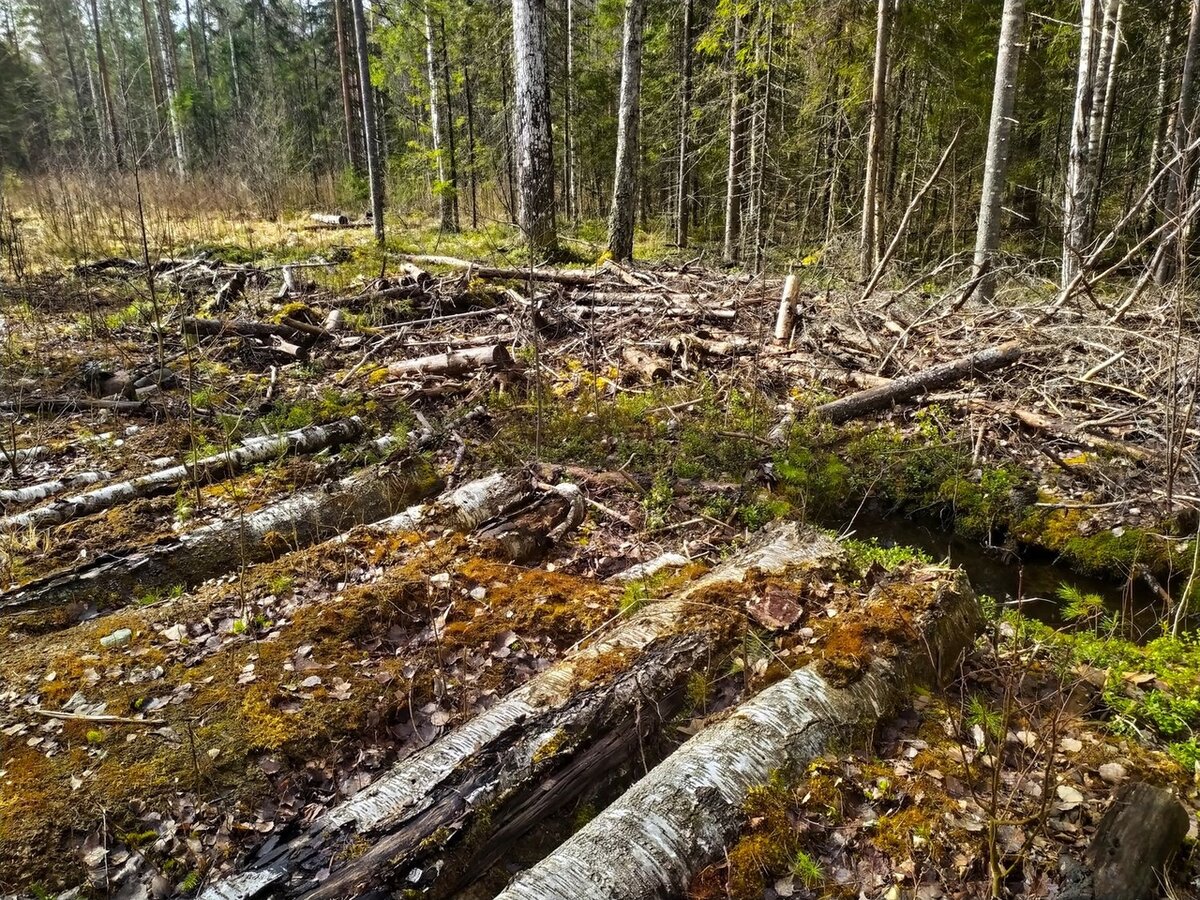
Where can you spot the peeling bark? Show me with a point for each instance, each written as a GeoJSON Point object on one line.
{"type": "Point", "coordinates": [652, 840]}
{"type": "Point", "coordinates": [256, 450]}
{"type": "Point", "coordinates": [447, 811]}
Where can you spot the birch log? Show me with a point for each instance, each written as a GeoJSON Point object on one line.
{"type": "Point", "coordinates": [651, 841]}
{"type": "Point", "coordinates": [456, 362]}
{"type": "Point", "coordinates": [256, 450]}
{"type": "Point", "coordinates": [518, 761]}
{"type": "Point", "coordinates": [905, 388]}
{"type": "Point", "coordinates": [49, 488]}
{"type": "Point", "coordinates": [296, 521]}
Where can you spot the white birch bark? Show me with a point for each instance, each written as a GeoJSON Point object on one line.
{"type": "Point", "coordinates": [654, 838]}
{"type": "Point", "coordinates": [256, 450]}
{"type": "Point", "coordinates": [1077, 191]}
{"type": "Point", "coordinates": [621, 214]}
{"type": "Point", "coordinates": [995, 166]}
{"type": "Point", "coordinates": [524, 738]}
{"type": "Point", "coordinates": [166, 45]}
{"type": "Point", "coordinates": [443, 188]}
{"type": "Point", "coordinates": [531, 125]}
{"type": "Point", "coordinates": [734, 163]}
{"type": "Point", "coordinates": [875, 140]}
{"type": "Point", "coordinates": [49, 488]}
{"type": "Point", "coordinates": [1181, 169]}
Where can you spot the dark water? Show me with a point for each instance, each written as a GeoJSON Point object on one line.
{"type": "Point", "coordinates": [1031, 582]}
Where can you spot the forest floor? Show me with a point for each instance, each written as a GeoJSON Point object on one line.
{"type": "Point", "coordinates": [205, 709]}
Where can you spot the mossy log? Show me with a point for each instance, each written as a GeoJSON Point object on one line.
{"type": "Point", "coordinates": [898, 390]}
{"type": "Point", "coordinates": [651, 841]}
{"type": "Point", "coordinates": [252, 452]}
{"type": "Point", "coordinates": [442, 816]}
{"type": "Point", "coordinates": [188, 559]}
{"type": "Point", "coordinates": [1137, 836]}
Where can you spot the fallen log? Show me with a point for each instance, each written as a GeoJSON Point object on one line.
{"type": "Point", "coordinates": [1133, 843]}
{"type": "Point", "coordinates": [1038, 422]}
{"type": "Point", "coordinates": [455, 362]}
{"type": "Point", "coordinates": [71, 404]}
{"type": "Point", "coordinates": [188, 559]}
{"type": "Point", "coordinates": [448, 810]}
{"type": "Point", "coordinates": [330, 218]}
{"type": "Point", "coordinates": [49, 488]}
{"type": "Point", "coordinates": [256, 450]}
{"type": "Point", "coordinates": [785, 319]}
{"type": "Point", "coordinates": [651, 841]}
{"type": "Point", "coordinates": [218, 328]}
{"type": "Point", "coordinates": [554, 276]}
{"type": "Point", "coordinates": [649, 367]}
{"type": "Point", "coordinates": [905, 388]}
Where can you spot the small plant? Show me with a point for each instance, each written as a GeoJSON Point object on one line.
{"type": "Point", "coordinates": [190, 882]}
{"type": "Point", "coordinates": [95, 736]}
{"type": "Point", "coordinates": [807, 870]}
{"type": "Point", "coordinates": [699, 691]}
{"type": "Point", "coordinates": [1080, 607]}
{"type": "Point", "coordinates": [239, 626]}
{"type": "Point", "coordinates": [636, 595]}
{"type": "Point", "coordinates": [281, 584]}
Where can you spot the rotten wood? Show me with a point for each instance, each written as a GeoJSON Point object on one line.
{"type": "Point", "coordinates": [683, 814]}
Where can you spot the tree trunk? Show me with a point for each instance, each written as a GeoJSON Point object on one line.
{"type": "Point", "coordinates": [875, 140]}
{"type": "Point", "coordinates": [106, 87]}
{"type": "Point", "coordinates": [682, 205]}
{"type": "Point", "coordinates": [374, 163]}
{"type": "Point", "coordinates": [568, 192]}
{"type": "Point", "coordinates": [153, 62]}
{"type": "Point", "coordinates": [472, 170]}
{"type": "Point", "coordinates": [905, 388]}
{"type": "Point", "coordinates": [531, 753]}
{"type": "Point", "coordinates": [1110, 105]}
{"type": "Point", "coordinates": [1162, 105]}
{"type": "Point", "coordinates": [1078, 190]}
{"type": "Point", "coordinates": [353, 154]}
{"type": "Point", "coordinates": [621, 215]}
{"type": "Point", "coordinates": [649, 843]}
{"type": "Point", "coordinates": [443, 188]}
{"type": "Point", "coordinates": [1181, 169]}
{"type": "Point", "coordinates": [534, 149]}
{"type": "Point", "coordinates": [257, 450]}
{"type": "Point", "coordinates": [995, 167]}
{"type": "Point", "coordinates": [452, 157]}
{"type": "Point", "coordinates": [733, 169]}
{"type": "Point", "coordinates": [166, 44]}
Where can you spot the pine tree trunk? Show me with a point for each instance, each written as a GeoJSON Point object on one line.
{"type": "Point", "coordinates": [682, 206]}
{"type": "Point", "coordinates": [875, 140]}
{"type": "Point", "coordinates": [353, 153]}
{"type": "Point", "coordinates": [733, 171]}
{"type": "Point", "coordinates": [1181, 169]}
{"type": "Point", "coordinates": [1008, 60]}
{"type": "Point", "coordinates": [374, 163]}
{"type": "Point", "coordinates": [534, 149]}
{"type": "Point", "coordinates": [621, 215]}
{"type": "Point", "coordinates": [1078, 190]}
{"type": "Point", "coordinates": [153, 66]}
{"type": "Point", "coordinates": [106, 87]}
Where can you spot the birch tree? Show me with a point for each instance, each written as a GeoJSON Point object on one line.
{"type": "Point", "coordinates": [370, 144]}
{"type": "Point", "coordinates": [534, 150]}
{"type": "Point", "coordinates": [999, 146]}
{"type": "Point", "coordinates": [170, 70]}
{"type": "Point", "coordinates": [1077, 192]}
{"type": "Point", "coordinates": [621, 215]}
{"type": "Point", "coordinates": [110, 113]}
{"type": "Point", "coordinates": [349, 125]}
{"type": "Point", "coordinates": [875, 139]}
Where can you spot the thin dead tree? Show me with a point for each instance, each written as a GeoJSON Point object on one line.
{"type": "Point", "coordinates": [1078, 192]}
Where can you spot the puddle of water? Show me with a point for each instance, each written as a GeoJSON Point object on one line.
{"type": "Point", "coordinates": [1032, 583]}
